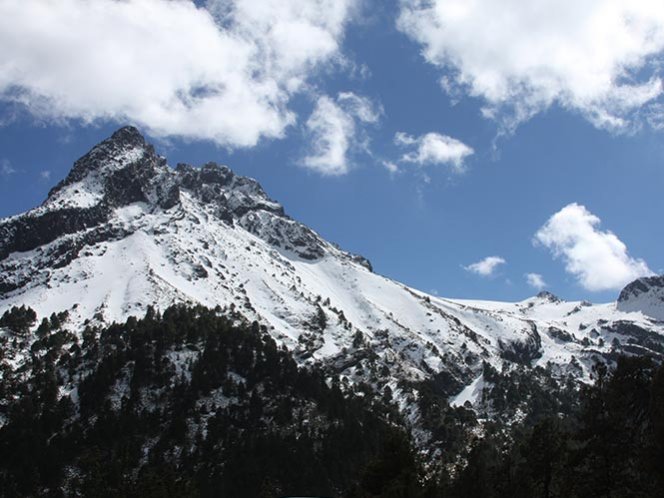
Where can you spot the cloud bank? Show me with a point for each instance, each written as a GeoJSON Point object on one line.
{"type": "Point", "coordinates": [597, 259]}
{"type": "Point", "coordinates": [596, 57]}
{"type": "Point", "coordinates": [486, 267]}
{"type": "Point", "coordinates": [224, 73]}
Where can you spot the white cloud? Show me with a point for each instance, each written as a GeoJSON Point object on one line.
{"type": "Point", "coordinates": [334, 130]}
{"type": "Point", "coordinates": [535, 280]}
{"type": "Point", "coordinates": [597, 259]}
{"type": "Point", "coordinates": [391, 167]}
{"type": "Point", "coordinates": [433, 148]}
{"type": "Point", "coordinates": [45, 175]}
{"type": "Point", "coordinates": [330, 129]}
{"type": "Point", "coordinates": [486, 267]}
{"type": "Point", "coordinates": [362, 108]}
{"type": "Point", "coordinates": [593, 57]}
{"type": "Point", "coordinates": [655, 116]}
{"type": "Point", "coordinates": [224, 73]}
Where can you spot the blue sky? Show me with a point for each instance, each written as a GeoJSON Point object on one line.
{"type": "Point", "coordinates": [499, 136]}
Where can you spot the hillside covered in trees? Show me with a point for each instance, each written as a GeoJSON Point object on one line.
{"type": "Point", "coordinates": [196, 402]}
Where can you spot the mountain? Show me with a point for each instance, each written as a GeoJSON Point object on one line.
{"type": "Point", "coordinates": [644, 295]}
{"type": "Point", "coordinates": [124, 231]}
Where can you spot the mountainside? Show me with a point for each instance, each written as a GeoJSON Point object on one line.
{"type": "Point", "coordinates": [645, 295]}
{"type": "Point", "coordinates": [188, 403]}
{"type": "Point", "coordinates": [125, 231]}
{"type": "Point", "coordinates": [185, 403]}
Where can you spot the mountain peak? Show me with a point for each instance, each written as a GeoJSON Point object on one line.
{"type": "Point", "coordinates": [125, 148]}
{"type": "Point", "coordinates": [646, 295]}
{"type": "Point", "coordinates": [117, 171]}
{"type": "Point", "coordinates": [128, 135]}
{"type": "Point", "coordinates": [548, 296]}
{"type": "Point", "coordinates": [122, 186]}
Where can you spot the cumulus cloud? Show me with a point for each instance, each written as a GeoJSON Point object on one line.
{"type": "Point", "coordinates": [334, 129]}
{"type": "Point", "coordinates": [224, 73]}
{"type": "Point", "coordinates": [597, 259]}
{"type": "Point", "coordinates": [486, 267]}
{"type": "Point", "coordinates": [433, 148]}
{"type": "Point", "coordinates": [596, 57]}
{"type": "Point", "coordinates": [535, 280]}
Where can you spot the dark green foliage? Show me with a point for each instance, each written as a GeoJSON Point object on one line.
{"type": "Point", "coordinates": [320, 320]}
{"type": "Point", "coordinates": [393, 474]}
{"type": "Point", "coordinates": [612, 446]}
{"type": "Point", "coordinates": [449, 427]}
{"type": "Point", "coordinates": [533, 392]}
{"type": "Point", "coordinates": [19, 319]}
{"type": "Point", "coordinates": [358, 339]}
{"type": "Point", "coordinates": [190, 404]}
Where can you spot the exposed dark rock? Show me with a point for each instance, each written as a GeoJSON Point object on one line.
{"type": "Point", "coordinates": [362, 261]}
{"type": "Point", "coordinates": [200, 271]}
{"type": "Point", "coordinates": [523, 352]}
{"type": "Point", "coordinates": [636, 335]}
{"type": "Point", "coordinates": [26, 233]}
{"type": "Point", "coordinates": [109, 152]}
{"type": "Point", "coordinates": [284, 233]}
{"type": "Point", "coordinates": [548, 296]}
{"type": "Point", "coordinates": [561, 335]}
{"type": "Point", "coordinates": [640, 286]}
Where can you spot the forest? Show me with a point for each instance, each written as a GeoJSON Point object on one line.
{"type": "Point", "coordinates": [196, 402]}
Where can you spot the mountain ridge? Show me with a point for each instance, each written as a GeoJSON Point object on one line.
{"type": "Point", "coordinates": [124, 231]}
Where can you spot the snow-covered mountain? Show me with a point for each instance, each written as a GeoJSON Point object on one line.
{"type": "Point", "coordinates": [125, 231]}
{"type": "Point", "coordinates": [645, 295]}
